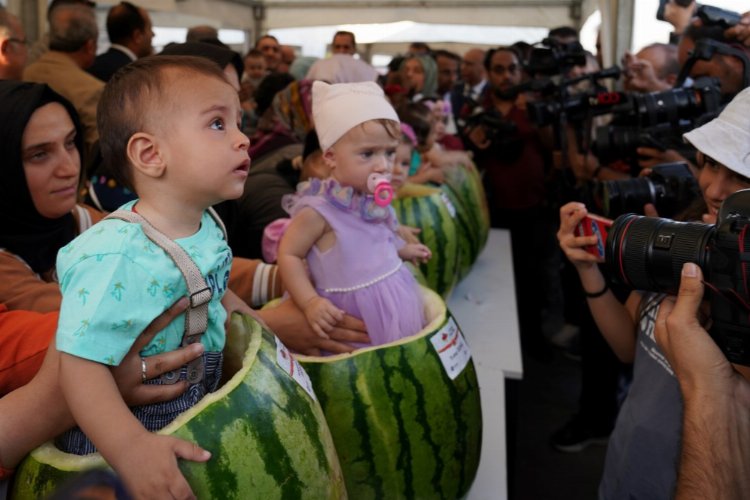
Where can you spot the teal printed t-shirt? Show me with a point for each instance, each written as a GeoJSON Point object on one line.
{"type": "Point", "coordinates": [115, 281]}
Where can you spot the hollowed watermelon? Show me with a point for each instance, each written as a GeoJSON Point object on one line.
{"type": "Point", "coordinates": [428, 209]}
{"type": "Point", "coordinates": [268, 437]}
{"type": "Point", "coordinates": [402, 427]}
{"type": "Point", "coordinates": [465, 182]}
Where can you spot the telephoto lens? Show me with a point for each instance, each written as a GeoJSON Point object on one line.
{"type": "Point", "coordinates": [647, 253]}
{"type": "Point", "coordinates": [670, 187]}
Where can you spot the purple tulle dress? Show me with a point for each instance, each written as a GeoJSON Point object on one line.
{"type": "Point", "coordinates": [362, 273]}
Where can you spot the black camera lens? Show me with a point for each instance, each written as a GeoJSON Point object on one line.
{"type": "Point", "coordinates": [670, 187]}
{"type": "Point", "coordinates": [624, 196]}
{"type": "Point", "coordinates": [647, 253]}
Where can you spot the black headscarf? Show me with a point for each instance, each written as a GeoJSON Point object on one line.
{"type": "Point", "coordinates": [23, 230]}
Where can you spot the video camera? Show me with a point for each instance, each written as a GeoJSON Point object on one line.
{"type": "Point", "coordinates": [647, 253]}
{"type": "Point", "coordinates": [670, 187]}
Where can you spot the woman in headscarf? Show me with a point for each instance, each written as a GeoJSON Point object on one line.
{"type": "Point", "coordinates": [419, 75]}
{"type": "Point", "coordinates": [41, 165]}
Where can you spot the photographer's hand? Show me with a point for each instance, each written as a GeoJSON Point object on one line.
{"type": "Point", "coordinates": [641, 76]}
{"type": "Point", "coordinates": [571, 214]}
{"type": "Point", "coordinates": [678, 16]}
{"type": "Point", "coordinates": [716, 431]}
{"type": "Point", "coordinates": [741, 31]}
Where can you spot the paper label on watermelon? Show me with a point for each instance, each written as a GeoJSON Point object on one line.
{"type": "Point", "coordinates": [452, 348]}
{"type": "Point", "coordinates": [448, 204]}
{"type": "Point", "coordinates": [289, 364]}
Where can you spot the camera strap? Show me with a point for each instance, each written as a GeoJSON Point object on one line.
{"type": "Point", "coordinates": [199, 293]}
{"type": "Point", "coordinates": [704, 50]}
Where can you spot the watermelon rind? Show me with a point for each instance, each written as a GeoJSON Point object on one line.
{"type": "Point", "coordinates": [424, 208]}
{"type": "Point", "coordinates": [402, 427]}
{"type": "Point", "coordinates": [268, 437]}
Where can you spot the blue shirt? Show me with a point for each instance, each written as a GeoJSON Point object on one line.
{"type": "Point", "coordinates": [115, 281]}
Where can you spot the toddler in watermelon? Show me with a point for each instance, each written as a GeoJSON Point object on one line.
{"type": "Point", "coordinates": [169, 129]}
{"type": "Point", "coordinates": [347, 235]}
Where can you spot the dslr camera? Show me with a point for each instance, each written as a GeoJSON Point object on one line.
{"type": "Point", "coordinates": [555, 58]}
{"type": "Point", "coordinates": [502, 134]}
{"type": "Point", "coordinates": [670, 187]}
{"type": "Point", "coordinates": [655, 118]}
{"type": "Point", "coordinates": [647, 253]}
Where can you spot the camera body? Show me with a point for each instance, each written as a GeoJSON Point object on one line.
{"type": "Point", "coordinates": [501, 133]}
{"type": "Point", "coordinates": [648, 253]}
{"type": "Point", "coordinates": [716, 16]}
{"type": "Point", "coordinates": [670, 187]}
{"type": "Point", "coordinates": [555, 58]}
{"type": "Point", "coordinates": [654, 118]}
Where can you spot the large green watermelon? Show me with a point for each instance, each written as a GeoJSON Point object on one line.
{"type": "Point", "coordinates": [466, 182]}
{"type": "Point", "coordinates": [268, 437]}
{"type": "Point", "coordinates": [403, 427]}
{"type": "Point", "coordinates": [425, 207]}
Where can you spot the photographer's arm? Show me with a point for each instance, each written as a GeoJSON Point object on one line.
{"type": "Point", "coordinates": [615, 320]}
{"type": "Point", "coordinates": [716, 431]}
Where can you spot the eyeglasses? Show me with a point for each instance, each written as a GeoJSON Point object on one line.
{"type": "Point", "coordinates": [23, 42]}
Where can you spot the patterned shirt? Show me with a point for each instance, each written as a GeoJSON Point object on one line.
{"type": "Point", "coordinates": [115, 281]}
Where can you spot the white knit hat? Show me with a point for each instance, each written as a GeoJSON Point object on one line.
{"type": "Point", "coordinates": [340, 107]}
{"type": "Point", "coordinates": [726, 138]}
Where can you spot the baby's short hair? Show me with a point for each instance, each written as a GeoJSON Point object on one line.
{"type": "Point", "coordinates": [137, 96]}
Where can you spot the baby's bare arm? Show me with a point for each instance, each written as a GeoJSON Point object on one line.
{"type": "Point", "coordinates": [146, 462]}
{"type": "Point", "coordinates": [306, 228]}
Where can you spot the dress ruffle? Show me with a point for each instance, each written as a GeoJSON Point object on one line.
{"type": "Point", "coordinates": [344, 198]}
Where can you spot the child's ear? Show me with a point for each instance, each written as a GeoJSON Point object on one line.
{"type": "Point", "coordinates": [143, 153]}
{"type": "Point", "coordinates": [330, 158]}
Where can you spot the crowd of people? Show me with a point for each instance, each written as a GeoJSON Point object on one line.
{"type": "Point", "coordinates": [200, 154]}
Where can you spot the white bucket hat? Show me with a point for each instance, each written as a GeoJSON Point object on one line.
{"type": "Point", "coordinates": [341, 107]}
{"type": "Point", "coordinates": [726, 138]}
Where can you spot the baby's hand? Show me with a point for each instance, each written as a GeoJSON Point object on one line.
{"type": "Point", "coordinates": [415, 253]}
{"type": "Point", "coordinates": [409, 233]}
{"type": "Point", "coordinates": [233, 303]}
{"type": "Point", "coordinates": [148, 466]}
{"type": "Point", "coordinates": [322, 315]}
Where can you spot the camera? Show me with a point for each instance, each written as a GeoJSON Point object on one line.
{"type": "Point", "coordinates": [647, 253]}
{"type": "Point", "coordinates": [670, 187]}
{"type": "Point", "coordinates": [555, 58]}
{"type": "Point", "coordinates": [502, 134]}
{"type": "Point", "coordinates": [636, 109]}
{"type": "Point", "coordinates": [716, 16]}
{"type": "Point", "coordinates": [617, 142]}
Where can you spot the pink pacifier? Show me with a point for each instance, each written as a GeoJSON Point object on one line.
{"type": "Point", "coordinates": [381, 188]}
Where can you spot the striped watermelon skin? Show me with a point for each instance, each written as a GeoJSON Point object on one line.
{"type": "Point", "coordinates": [402, 427]}
{"type": "Point", "coordinates": [468, 233]}
{"type": "Point", "coordinates": [466, 182]}
{"type": "Point", "coordinates": [268, 437]}
{"type": "Point", "coordinates": [427, 211]}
